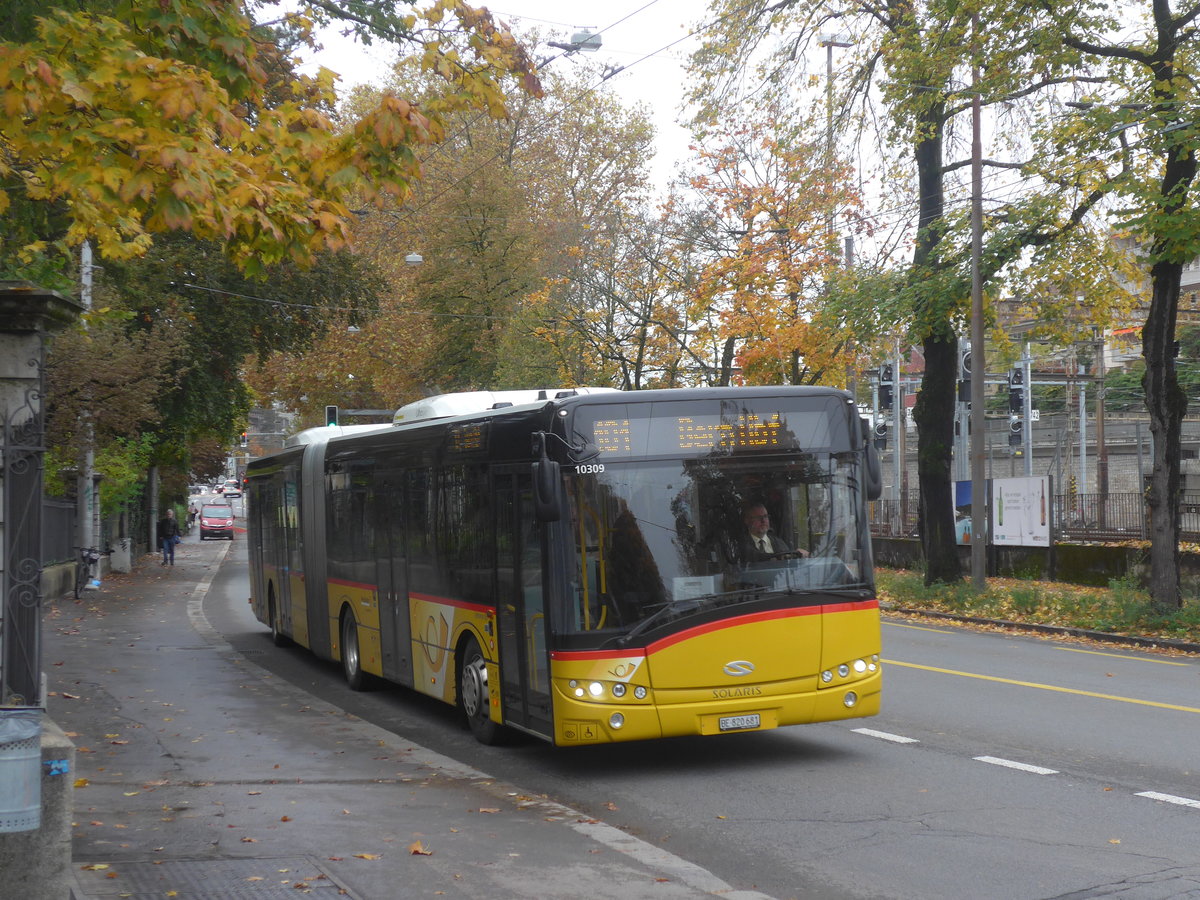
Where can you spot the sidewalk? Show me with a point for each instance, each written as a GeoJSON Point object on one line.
{"type": "Point", "coordinates": [199, 775]}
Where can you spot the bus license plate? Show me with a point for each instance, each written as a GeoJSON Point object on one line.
{"type": "Point", "coordinates": [737, 723]}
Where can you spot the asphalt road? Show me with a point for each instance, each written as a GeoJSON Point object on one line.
{"type": "Point", "coordinates": [1001, 767]}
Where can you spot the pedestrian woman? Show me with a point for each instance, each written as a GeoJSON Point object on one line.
{"type": "Point", "coordinates": [168, 536]}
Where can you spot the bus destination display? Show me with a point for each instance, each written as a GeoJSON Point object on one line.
{"type": "Point", "coordinates": [691, 434]}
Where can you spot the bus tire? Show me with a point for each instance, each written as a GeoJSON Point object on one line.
{"type": "Point", "coordinates": [473, 696]}
{"type": "Point", "coordinates": [278, 638]}
{"type": "Point", "coordinates": [352, 668]}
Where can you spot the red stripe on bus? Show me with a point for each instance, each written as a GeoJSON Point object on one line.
{"type": "Point", "coordinates": [708, 628]}
{"type": "Point", "coordinates": [596, 654]}
{"type": "Point", "coordinates": [447, 601]}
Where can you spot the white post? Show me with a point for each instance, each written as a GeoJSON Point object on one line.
{"type": "Point", "coordinates": [87, 504]}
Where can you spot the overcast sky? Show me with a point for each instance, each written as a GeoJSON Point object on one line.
{"type": "Point", "coordinates": [646, 38]}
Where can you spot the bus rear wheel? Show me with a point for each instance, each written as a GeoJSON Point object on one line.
{"type": "Point", "coordinates": [356, 678]}
{"type": "Point", "coordinates": [473, 695]}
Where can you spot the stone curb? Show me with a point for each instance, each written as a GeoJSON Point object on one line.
{"type": "Point", "coordinates": [1103, 636]}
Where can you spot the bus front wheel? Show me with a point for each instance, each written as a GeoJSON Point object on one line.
{"type": "Point", "coordinates": [473, 694]}
{"type": "Point", "coordinates": [356, 678]}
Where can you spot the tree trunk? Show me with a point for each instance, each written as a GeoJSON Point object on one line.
{"type": "Point", "coordinates": [727, 355]}
{"type": "Point", "coordinates": [1166, 402]}
{"type": "Point", "coordinates": [934, 415]}
{"type": "Point", "coordinates": [934, 412]}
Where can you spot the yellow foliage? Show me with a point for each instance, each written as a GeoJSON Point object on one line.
{"type": "Point", "coordinates": [142, 126]}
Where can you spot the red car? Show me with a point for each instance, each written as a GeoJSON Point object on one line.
{"type": "Point", "coordinates": [216, 520]}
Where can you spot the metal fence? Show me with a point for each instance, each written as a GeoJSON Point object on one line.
{"type": "Point", "coordinates": [58, 531]}
{"type": "Point", "coordinates": [1077, 517]}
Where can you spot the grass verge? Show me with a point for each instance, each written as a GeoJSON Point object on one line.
{"type": "Point", "coordinates": [1121, 608]}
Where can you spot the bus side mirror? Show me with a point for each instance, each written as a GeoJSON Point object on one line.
{"type": "Point", "coordinates": [873, 471]}
{"type": "Point", "coordinates": [547, 484]}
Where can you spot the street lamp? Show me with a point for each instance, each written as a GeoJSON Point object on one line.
{"type": "Point", "coordinates": [585, 39]}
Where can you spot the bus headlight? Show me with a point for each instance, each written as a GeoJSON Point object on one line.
{"type": "Point", "coordinates": [827, 676]}
{"type": "Point", "coordinates": [860, 666]}
{"type": "Point", "coordinates": [616, 720]}
{"type": "Point", "coordinates": [639, 692]}
{"type": "Point", "coordinates": [618, 689]}
{"type": "Point", "coordinates": [850, 700]}
{"type": "Point", "coordinates": [844, 670]}
{"type": "Point", "coordinates": [595, 689]}
{"type": "Point", "coordinates": [579, 692]}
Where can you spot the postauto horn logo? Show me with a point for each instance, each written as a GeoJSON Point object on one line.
{"type": "Point", "coordinates": [739, 667]}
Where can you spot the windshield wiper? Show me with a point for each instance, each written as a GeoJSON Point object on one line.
{"type": "Point", "coordinates": [685, 605]}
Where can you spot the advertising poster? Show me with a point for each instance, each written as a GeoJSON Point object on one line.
{"type": "Point", "coordinates": [1021, 511]}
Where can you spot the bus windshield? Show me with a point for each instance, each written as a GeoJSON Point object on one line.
{"type": "Point", "coordinates": [655, 541]}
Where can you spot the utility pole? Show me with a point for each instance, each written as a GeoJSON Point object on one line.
{"type": "Point", "coordinates": [1101, 449]}
{"type": "Point", "coordinates": [829, 42]}
{"type": "Point", "coordinates": [86, 503]}
{"type": "Point", "coordinates": [1083, 475]}
{"type": "Point", "coordinates": [1027, 411]}
{"type": "Point", "coordinates": [979, 523]}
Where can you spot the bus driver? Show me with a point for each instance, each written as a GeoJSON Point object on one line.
{"type": "Point", "coordinates": [760, 544]}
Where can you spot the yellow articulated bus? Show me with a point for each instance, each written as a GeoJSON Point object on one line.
{"type": "Point", "coordinates": [585, 565]}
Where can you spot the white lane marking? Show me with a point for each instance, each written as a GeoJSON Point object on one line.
{"type": "Point", "coordinates": [1024, 767]}
{"type": "Point", "coordinates": [1170, 798]}
{"type": "Point", "coordinates": [883, 735]}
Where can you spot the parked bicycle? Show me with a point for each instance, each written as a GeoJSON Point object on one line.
{"type": "Point", "coordinates": [88, 557]}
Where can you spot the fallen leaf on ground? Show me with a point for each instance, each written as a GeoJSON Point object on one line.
{"type": "Point", "coordinates": [95, 867]}
{"type": "Point", "coordinates": [416, 848]}
{"type": "Point", "coordinates": [367, 856]}
{"type": "Point", "coordinates": [488, 809]}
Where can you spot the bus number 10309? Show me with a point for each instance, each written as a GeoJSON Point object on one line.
{"type": "Point", "coordinates": [590, 468]}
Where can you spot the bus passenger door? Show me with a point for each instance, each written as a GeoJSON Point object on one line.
{"type": "Point", "coordinates": [391, 578]}
{"type": "Point", "coordinates": [521, 611]}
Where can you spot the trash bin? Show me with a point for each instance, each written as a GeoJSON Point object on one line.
{"type": "Point", "coordinates": [20, 769]}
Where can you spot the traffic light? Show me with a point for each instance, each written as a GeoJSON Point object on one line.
{"type": "Point", "coordinates": [1015, 431]}
{"type": "Point", "coordinates": [880, 436]}
{"type": "Point", "coordinates": [331, 415]}
{"type": "Point", "coordinates": [1016, 391]}
{"type": "Point", "coordinates": [885, 387]}
{"type": "Point", "coordinates": [964, 375]}
{"type": "Point", "coordinates": [245, 439]}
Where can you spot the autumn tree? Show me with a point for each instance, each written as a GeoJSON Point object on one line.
{"type": "Point", "coordinates": [1139, 124]}
{"type": "Point", "coordinates": [135, 119]}
{"type": "Point", "coordinates": [124, 122]}
{"type": "Point", "coordinates": [510, 220]}
{"type": "Point", "coordinates": [772, 193]}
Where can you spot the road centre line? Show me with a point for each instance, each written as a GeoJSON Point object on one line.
{"type": "Point", "coordinates": [884, 735]}
{"type": "Point", "coordinates": [1161, 662]}
{"type": "Point", "coordinates": [1169, 798]}
{"type": "Point", "coordinates": [1044, 687]}
{"type": "Point", "coordinates": [1010, 764]}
